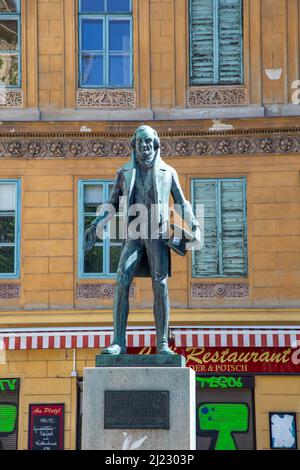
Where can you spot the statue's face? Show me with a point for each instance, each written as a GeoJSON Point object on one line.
{"type": "Point", "coordinates": [144, 147]}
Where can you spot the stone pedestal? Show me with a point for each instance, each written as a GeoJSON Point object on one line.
{"type": "Point", "coordinates": [146, 408]}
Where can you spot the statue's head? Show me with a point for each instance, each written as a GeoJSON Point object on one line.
{"type": "Point", "coordinates": [145, 143]}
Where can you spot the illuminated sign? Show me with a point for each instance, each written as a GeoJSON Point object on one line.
{"type": "Point", "coordinates": [8, 418]}
{"type": "Point", "coordinates": [9, 403]}
{"type": "Point", "coordinates": [225, 382]}
{"type": "Point", "coordinates": [224, 419]}
{"type": "Point", "coordinates": [9, 385]}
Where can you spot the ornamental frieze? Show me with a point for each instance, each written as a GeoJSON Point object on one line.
{"type": "Point", "coordinates": [205, 144]}
{"type": "Point", "coordinates": [98, 291]}
{"type": "Point", "coordinates": [105, 99]}
{"type": "Point", "coordinates": [219, 290]}
{"type": "Point", "coordinates": [11, 99]}
{"type": "Point", "coordinates": [217, 96]}
{"type": "Point", "coordinates": [9, 291]}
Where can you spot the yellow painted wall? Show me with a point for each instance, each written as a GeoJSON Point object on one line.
{"type": "Point", "coordinates": [161, 52]}
{"type": "Point", "coordinates": [274, 393]}
{"type": "Point", "coordinates": [45, 377]}
{"type": "Point", "coordinates": [49, 231]}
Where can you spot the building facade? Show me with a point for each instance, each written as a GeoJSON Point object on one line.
{"type": "Point", "coordinates": [219, 80]}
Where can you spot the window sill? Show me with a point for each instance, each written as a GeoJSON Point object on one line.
{"type": "Point", "coordinates": [70, 114]}
{"type": "Point", "coordinates": [210, 112]}
{"type": "Point", "coordinates": [19, 114]}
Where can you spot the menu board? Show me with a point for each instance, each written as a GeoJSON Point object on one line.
{"type": "Point", "coordinates": [46, 427]}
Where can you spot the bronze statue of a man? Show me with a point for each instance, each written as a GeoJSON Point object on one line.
{"type": "Point", "coordinates": [148, 181]}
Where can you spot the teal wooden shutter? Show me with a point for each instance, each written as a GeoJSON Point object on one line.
{"type": "Point", "coordinates": [206, 261]}
{"type": "Point", "coordinates": [233, 227]}
{"type": "Point", "coordinates": [230, 41]}
{"type": "Point", "coordinates": [216, 42]}
{"type": "Point", "coordinates": [202, 41]}
{"type": "Point", "coordinates": [224, 252]}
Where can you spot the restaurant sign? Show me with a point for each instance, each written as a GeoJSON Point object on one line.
{"type": "Point", "coordinates": [233, 360]}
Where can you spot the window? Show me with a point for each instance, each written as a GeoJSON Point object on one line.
{"type": "Point", "coordinates": [224, 253]}
{"type": "Point", "coordinates": [216, 42]}
{"type": "Point", "coordinates": [10, 43]}
{"type": "Point", "coordinates": [103, 259]}
{"type": "Point", "coordinates": [9, 229]}
{"type": "Point", "coordinates": [105, 43]}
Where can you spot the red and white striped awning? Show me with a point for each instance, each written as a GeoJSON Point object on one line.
{"type": "Point", "coordinates": [77, 338]}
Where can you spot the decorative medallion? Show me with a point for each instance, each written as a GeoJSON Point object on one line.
{"type": "Point", "coordinates": [98, 291]}
{"type": "Point", "coordinates": [217, 96]}
{"type": "Point", "coordinates": [213, 290]}
{"type": "Point", "coordinates": [9, 291]}
{"type": "Point", "coordinates": [106, 98]}
{"type": "Point", "coordinates": [10, 99]}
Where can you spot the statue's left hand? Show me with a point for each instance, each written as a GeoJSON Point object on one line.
{"type": "Point", "coordinates": [90, 238]}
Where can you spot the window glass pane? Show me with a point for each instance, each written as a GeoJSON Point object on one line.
{"type": "Point", "coordinates": [115, 252]}
{"type": "Point", "coordinates": [92, 70]}
{"type": "Point", "coordinates": [9, 6]}
{"type": "Point", "coordinates": [119, 35]}
{"type": "Point", "coordinates": [93, 193]}
{"type": "Point", "coordinates": [7, 229]}
{"type": "Point", "coordinates": [119, 71]}
{"type": "Point", "coordinates": [119, 6]}
{"type": "Point", "coordinates": [114, 229]}
{"type": "Point", "coordinates": [92, 6]}
{"type": "Point", "coordinates": [9, 73]}
{"type": "Point", "coordinates": [8, 35]}
{"type": "Point", "coordinates": [93, 260]}
{"type": "Point", "coordinates": [7, 197]}
{"type": "Point", "coordinates": [88, 221]}
{"type": "Point", "coordinates": [92, 34]}
{"type": "Point", "coordinates": [7, 260]}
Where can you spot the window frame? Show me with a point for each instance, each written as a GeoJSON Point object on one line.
{"type": "Point", "coordinates": [16, 244]}
{"type": "Point", "coordinates": [106, 18]}
{"type": "Point", "coordinates": [81, 229]}
{"type": "Point", "coordinates": [15, 16]}
{"type": "Point", "coordinates": [216, 57]}
{"type": "Point", "coordinates": [219, 248]}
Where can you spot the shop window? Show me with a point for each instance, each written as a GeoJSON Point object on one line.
{"type": "Point", "coordinates": [224, 416]}
{"type": "Point", "coordinates": [9, 228]}
{"type": "Point", "coordinates": [10, 43]}
{"type": "Point", "coordinates": [105, 43]}
{"type": "Point", "coordinates": [224, 253]}
{"type": "Point", "coordinates": [9, 410]}
{"type": "Point", "coordinates": [102, 260]}
{"type": "Point", "coordinates": [216, 42]}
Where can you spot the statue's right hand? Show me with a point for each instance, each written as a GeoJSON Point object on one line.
{"type": "Point", "coordinates": [90, 238]}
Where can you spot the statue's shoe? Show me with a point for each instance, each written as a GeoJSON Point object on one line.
{"type": "Point", "coordinates": [114, 349]}
{"type": "Point", "coordinates": [164, 349]}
